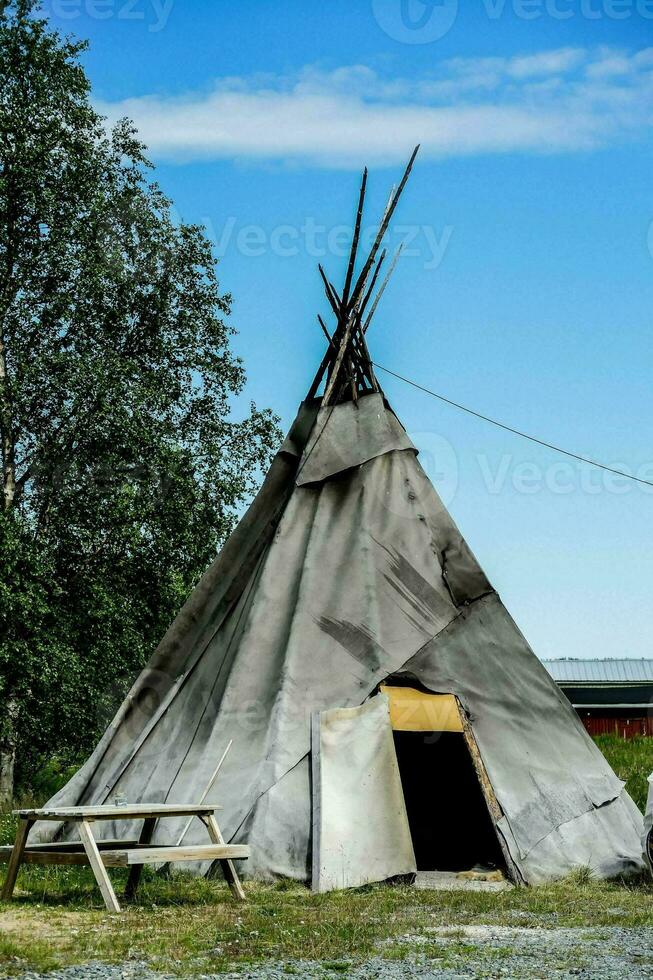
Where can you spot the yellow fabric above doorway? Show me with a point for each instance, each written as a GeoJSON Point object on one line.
{"type": "Point", "coordinates": [413, 711]}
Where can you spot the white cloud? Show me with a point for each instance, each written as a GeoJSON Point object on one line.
{"type": "Point", "coordinates": [563, 100]}
{"type": "Point", "coordinates": [522, 66]}
{"type": "Point", "coordinates": [546, 63]}
{"type": "Point", "coordinates": [610, 65]}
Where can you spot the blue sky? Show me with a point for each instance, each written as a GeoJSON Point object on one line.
{"type": "Point", "coordinates": [527, 287]}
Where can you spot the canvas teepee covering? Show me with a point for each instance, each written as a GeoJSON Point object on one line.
{"type": "Point", "coordinates": [647, 836]}
{"type": "Point", "coordinates": [345, 571]}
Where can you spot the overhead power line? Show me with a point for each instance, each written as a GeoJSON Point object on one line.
{"type": "Point", "coordinates": [509, 428]}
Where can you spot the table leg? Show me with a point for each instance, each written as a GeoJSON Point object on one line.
{"type": "Point", "coordinates": [95, 861]}
{"type": "Point", "coordinates": [227, 866]}
{"type": "Point", "coordinates": [15, 861]}
{"type": "Point", "coordinates": [136, 869]}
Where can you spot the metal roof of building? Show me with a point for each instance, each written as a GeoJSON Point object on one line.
{"type": "Point", "coordinates": [610, 671]}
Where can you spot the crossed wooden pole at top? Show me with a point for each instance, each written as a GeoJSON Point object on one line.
{"type": "Point", "coordinates": [347, 360]}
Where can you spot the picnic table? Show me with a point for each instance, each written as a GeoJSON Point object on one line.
{"type": "Point", "coordinates": [133, 854]}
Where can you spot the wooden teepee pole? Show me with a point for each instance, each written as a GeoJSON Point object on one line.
{"type": "Point", "coordinates": [354, 244]}
{"type": "Point", "coordinates": [382, 230]}
{"type": "Point", "coordinates": [206, 791]}
{"type": "Point", "coordinates": [382, 288]}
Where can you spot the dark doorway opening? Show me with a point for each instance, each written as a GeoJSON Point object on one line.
{"type": "Point", "coordinates": [449, 820]}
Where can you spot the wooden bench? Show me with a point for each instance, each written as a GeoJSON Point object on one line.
{"type": "Point", "coordinates": [133, 854]}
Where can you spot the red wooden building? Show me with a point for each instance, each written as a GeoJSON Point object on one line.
{"type": "Point", "coordinates": [611, 696]}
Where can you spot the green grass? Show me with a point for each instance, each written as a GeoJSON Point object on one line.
{"type": "Point", "coordinates": [632, 760]}
{"type": "Point", "coordinates": [192, 925]}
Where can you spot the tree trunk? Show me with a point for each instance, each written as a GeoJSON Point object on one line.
{"type": "Point", "coordinates": [8, 447]}
{"type": "Point", "coordinates": [7, 763]}
{"type": "Point", "coordinates": [8, 756]}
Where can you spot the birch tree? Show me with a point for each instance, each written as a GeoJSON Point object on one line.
{"type": "Point", "coordinates": [122, 464]}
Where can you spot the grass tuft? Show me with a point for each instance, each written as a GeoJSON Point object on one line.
{"type": "Point", "coordinates": [581, 876]}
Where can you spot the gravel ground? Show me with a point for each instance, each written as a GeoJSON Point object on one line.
{"type": "Point", "coordinates": [470, 951]}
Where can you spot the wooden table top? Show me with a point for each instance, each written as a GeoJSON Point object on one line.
{"type": "Point", "coordinates": [130, 811]}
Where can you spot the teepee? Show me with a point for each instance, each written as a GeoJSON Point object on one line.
{"type": "Point", "coordinates": [386, 712]}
